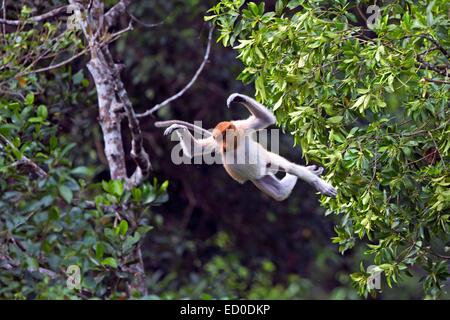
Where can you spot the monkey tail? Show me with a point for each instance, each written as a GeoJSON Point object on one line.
{"type": "Point", "coordinates": [162, 124]}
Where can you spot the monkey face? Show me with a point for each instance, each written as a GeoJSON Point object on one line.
{"type": "Point", "coordinates": [225, 133]}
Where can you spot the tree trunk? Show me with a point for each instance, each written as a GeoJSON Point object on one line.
{"type": "Point", "coordinates": [110, 113]}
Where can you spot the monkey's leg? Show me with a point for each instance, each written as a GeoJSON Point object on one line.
{"type": "Point", "coordinates": [304, 173]}
{"type": "Point", "coordinates": [277, 189]}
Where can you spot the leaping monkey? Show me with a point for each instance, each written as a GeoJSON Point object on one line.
{"type": "Point", "coordinates": [233, 139]}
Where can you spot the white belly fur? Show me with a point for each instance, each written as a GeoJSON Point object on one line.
{"type": "Point", "coordinates": [251, 167]}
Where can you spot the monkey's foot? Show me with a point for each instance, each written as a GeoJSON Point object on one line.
{"type": "Point", "coordinates": [172, 128]}
{"type": "Point", "coordinates": [235, 97]}
{"type": "Point", "coordinates": [315, 169]}
{"type": "Point", "coordinates": [325, 188]}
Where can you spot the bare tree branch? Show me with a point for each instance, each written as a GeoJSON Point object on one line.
{"type": "Point", "coordinates": [436, 43]}
{"type": "Point", "coordinates": [113, 38]}
{"type": "Point", "coordinates": [122, 7]}
{"type": "Point", "coordinates": [55, 66]}
{"type": "Point", "coordinates": [138, 152]}
{"type": "Point", "coordinates": [146, 25]}
{"type": "Point", "coordinates": [183, 91]}
{"type": "Point", "coordinates": [425, 65]}
{"type": "Point", "coordinates": [4, 17]}
{"type": "Point", "coordinates": [46, 16]}
{"type": "Point", "coordinates": [436, 80]}
{"type": "Point", "coordinates": [24, 161]}
{"type": "Point", "coordinates": [116, 11]}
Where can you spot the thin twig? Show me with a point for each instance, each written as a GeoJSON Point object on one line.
{"type": "Point", "coordinates": [437, 149]}
{"type": "Point", "coordinates": [361, 13]}
{"type": "Point", "coordinates": [436, 80]}
{"type": "Point", "coordinates": [425, 65]}
{"type": "Point", "coordinates": [33, 166]}
{"type": "Point", "coordinates": [437, 44]}
{"type": "Point", "coordinates": [24, 160]}
{"type": "Point", "coordinates": [48, 15]}
{"type": "Point", "coordinates": [114, 37]}
{"type": "Point", "coordinates": [55, 66]}
{"type": "Point", "coordinates": [434, 41]}
{"type": "Point", "coordinates": [4, 17]}
{"type": "Point", "coordinates": [183, 91]}
{"type": "Point", "coordinates": [146, 25]}
{"type": "Point", "coordinates": [115, 12]}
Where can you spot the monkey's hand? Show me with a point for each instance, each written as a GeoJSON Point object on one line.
{"type": "Point", "coordinates": [174, 127]}
{"type": "Point", "coordinates": [235, 97]}
{"type": "Point", "coordinates": [325, 188]}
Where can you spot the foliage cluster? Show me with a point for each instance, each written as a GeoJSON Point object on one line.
{"type": "Point", "coordinates": [370, 103]}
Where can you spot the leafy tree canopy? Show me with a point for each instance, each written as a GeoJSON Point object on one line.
{"type": "Point", "coordinates": [366, 96]}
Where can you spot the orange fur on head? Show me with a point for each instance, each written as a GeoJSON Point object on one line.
{"type": "Point", "coordinates": [220, 132]}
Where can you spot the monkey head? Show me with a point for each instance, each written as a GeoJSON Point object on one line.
{"type": "Point", "coordinates": [226, 134]}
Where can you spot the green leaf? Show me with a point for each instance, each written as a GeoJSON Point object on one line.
{"type": "Point", "coordinates": [253, 8]}
{"type": "Point", "coordinates": [144, 229]}
{"type": "Point", "coordinates": [295, 3]}
{"type": "Point", "coordinates": [164, 186]}
{"type": "Point", "coordinates": [123, 227]}
{"type": "Point", "coordinates": [42, 112]}
{"type": "Point", "coordinates": [136, 194]}
{"type": "Point", "coordinates": [279, 6]}
{"type": "Point", "coordinates": [260, 88]}
{"type": "Point", "coordinates": [99, 250]}
{"type": "Point", "coordinates": [82, 171]}
{"type": "Point", "coordinates": [278, 103]}
{"type": "Point", "coordinates": [130, 241]}
{"type": "Point", "coordinates": [32, 264]}
{"type": "Point", "coordinates": [148, 194]}
{"type": "Point", "coordinates": [78, 77]}
{"type": "Point", "coordinates": [117, 187]}
{"type": "Point", "coordinates": [66, 193]}
{"type": "Point", "coordinates": [29, 99]}
{"type": "Point", "coordinates": [359, 102]}
{"type": "Point", "coordinates": [114, 187]}
{"type": "Point", "coordinates": [35, 120]}
{"type": "Point", "coordinates": [105, 186]}
{"type": "Point", "coordinates": [110, 262]}
{"type": "Point", "coordinates": [53, 142]}
{"type": "Point", "coordinates": [335, 120]}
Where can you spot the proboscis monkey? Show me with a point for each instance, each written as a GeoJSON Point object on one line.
{"type": "Point", "coordinates": [233, 139]}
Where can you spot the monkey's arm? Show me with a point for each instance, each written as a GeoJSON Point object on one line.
{"type": "Point", "coordinates": [261, 116]}
{"type": "Point", "coordinates": [162, 124]}
{"type": "Point", "coordinates": [191, 146]}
